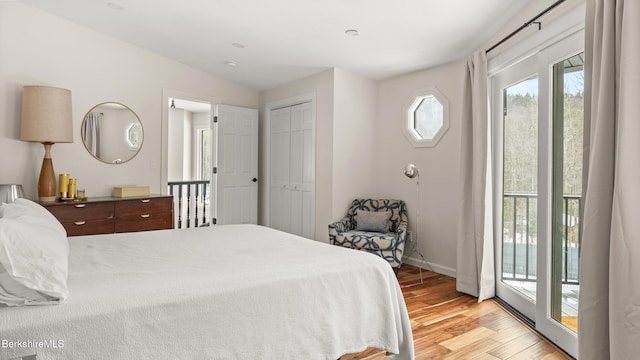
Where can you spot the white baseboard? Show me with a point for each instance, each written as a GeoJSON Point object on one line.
{"type": "Point", "coordinates": [444, 270]}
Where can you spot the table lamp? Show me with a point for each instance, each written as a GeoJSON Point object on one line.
{"type": "Point", "coordinates": [10, 192]}
{"type": "Point", "coordinates": [47, 119]}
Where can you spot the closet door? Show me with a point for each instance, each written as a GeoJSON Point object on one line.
{"type": "Point", "coordinates": [302, 171]}
{"type": "Point", "coordinates": [292, 170]}
{"type": "Point", "coordinates": [280, 203]}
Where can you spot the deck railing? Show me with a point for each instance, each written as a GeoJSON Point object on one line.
{"type": "Point", "coordinates": [519, 238]}
{"type": "Point", "coordinates": [191, 202]}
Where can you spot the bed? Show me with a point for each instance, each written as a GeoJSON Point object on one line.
{"type": "Point", "coordinates": [224, 292]}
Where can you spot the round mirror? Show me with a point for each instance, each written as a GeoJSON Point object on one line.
{"type": "Point", "coordinates": [112, 133]}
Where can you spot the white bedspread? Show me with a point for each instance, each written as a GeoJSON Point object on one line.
{"type": "Point", "coordinates": [224, 292]}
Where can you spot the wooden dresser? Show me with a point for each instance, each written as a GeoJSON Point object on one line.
{"type": "Point", "coordinates": [105, 215]}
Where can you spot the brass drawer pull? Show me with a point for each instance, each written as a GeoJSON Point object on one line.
{"type": "Point", "coordinates": [79, 223]}
{"type": "Point", "coordinates": [145, 200]}
{"type": "Point", "coordinates": [80, 205]}
{"type": "Point", "coordinates": [144, 216]}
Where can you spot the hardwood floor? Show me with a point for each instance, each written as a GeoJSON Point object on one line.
{"type": "Point", "coordinates": [450, 325]}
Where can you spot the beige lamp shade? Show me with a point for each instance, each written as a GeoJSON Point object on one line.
{"type": "Point", "coordinates": [47, 119]}
{"type": "Point", "coordinates": [46, 115]}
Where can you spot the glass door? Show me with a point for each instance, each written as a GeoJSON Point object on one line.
{"type": "Point", "coordinates": [516, 113]}
{"type": "Point", "coordinates": [538, 121]}
{"type": "Point", "coordinates": [568, 131]}
{"type": "Point", "coordinates": [557, 317]}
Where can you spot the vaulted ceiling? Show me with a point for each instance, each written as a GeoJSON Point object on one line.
{"type": "Point", "coordinates": [265, 43]}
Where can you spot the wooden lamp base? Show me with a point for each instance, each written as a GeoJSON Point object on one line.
{"type": "Point", "coordinates": [47, 179]}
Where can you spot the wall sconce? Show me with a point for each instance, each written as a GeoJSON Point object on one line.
{"type": "Point", "coordinates": [47, 119]}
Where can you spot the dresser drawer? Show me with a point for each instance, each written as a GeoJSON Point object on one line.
{"type": "Point", "coordinates": [144, 214]}
{"type": "Point", "coordinates": [89, 227]}
{"type": "Point", "coordinates": [137, 207]}
{"type": "Point", "coordinates": [144, 222]}
{"type": "Point", "coordinates": [82, 211]}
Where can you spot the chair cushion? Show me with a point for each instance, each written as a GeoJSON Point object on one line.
{"type": "Point", "coordinates": [366, 240]}
{"type": "Point", "coordinates": [376, 221]}
{"type": "Point", "coordinates": [397, 208]}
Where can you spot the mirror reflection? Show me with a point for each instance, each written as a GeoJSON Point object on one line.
{"type": "Point", "coordinates": [112, 133]}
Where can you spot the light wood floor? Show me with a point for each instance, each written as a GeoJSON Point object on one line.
{"type": "Point", "coordinates": [450, 325]}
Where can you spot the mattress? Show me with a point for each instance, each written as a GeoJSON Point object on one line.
{"type": "Point", "coordinates": [223, 292]}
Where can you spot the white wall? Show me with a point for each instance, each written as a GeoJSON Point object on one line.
{"type": "Point", "coordinates": [187, 141]}
{"type": "Point", "coordinates": [322, 86]}
{"type": "Point", "coordinates": [355, 141]}
{"type": "Point", "coordinates": [200, 121]}
{"type": "Point", "coordinates": [439, 165]}
{"type": "Point", "coordinates": [175, 156]}
{"type": "Point", "coordinates": [37, 48]}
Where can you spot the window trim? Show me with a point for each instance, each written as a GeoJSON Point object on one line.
{"type": "Point", "coordinates": [199, 154]}
{"type": "Point", "coordinates": [408, 120]}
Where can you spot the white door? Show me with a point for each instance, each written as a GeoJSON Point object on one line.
{"type": "Point", "coordinates": [292, 170]}
{"type": "Point", "coordinates": [302, 171]}
{"type": "Point", "coordinates": [280, 132]}
{"type": "Point", "coordinates": [235, 165]}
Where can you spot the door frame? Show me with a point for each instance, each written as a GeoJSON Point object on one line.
{"type": "Point", "coordinates": [560, 335]}
{"type": "Point", "coordinates": [266, 189]}
{"type": "Point", "coordinates": [508, 77]}
{"type": "Point", "coordinates": [164, 131]}
{"type": "Point", "coordinates": [542, 47]}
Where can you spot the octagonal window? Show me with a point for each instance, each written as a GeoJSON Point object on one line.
{"type": "Point", "coordinates": [427, 120]}
{"type": "Point", "coordinates": [134, 135]}
{"type": "Point", "coordinates": [427, 117]}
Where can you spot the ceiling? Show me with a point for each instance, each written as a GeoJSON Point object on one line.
{"type": "Point", "coordinates": [273, 42]}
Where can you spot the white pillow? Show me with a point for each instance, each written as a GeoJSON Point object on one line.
{"type": "Point", "coordinates": [34, 249]}
{"type": "Point", "coordinates": [13, 293]}
{"type": "Point", "coordinates": [28, 206]}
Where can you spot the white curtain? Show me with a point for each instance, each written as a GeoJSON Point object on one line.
{"type": "Point", "coordinates": [475, 264]}
{"type": "Point", "coordinates": [609, 306]}
{"type": "Point", "coordinates": [92, 133]}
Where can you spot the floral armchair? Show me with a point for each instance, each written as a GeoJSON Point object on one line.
{"type": "Point", "coordinates": [375, 226]}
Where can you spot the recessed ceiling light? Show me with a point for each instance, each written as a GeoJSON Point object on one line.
{"type": "Point", "coordinates": [352, 32]}
{"type": "Point", "coordinates": [115, 6]}
{"type": "Point", "coordinates": [231, 63]}
{"type": "Point", "coordinates": [238, 45]}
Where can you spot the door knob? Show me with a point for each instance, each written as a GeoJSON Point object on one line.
{"type": "Point", "coordinates": [254, 180]}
